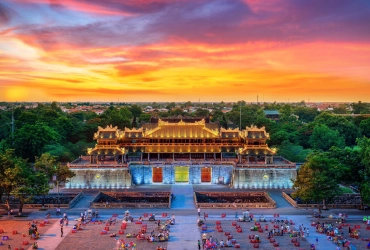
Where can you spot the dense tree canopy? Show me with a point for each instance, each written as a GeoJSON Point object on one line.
{"type": "Point", "coordinates": [322, 140]}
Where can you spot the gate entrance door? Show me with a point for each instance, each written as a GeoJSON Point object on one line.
{"type": "Point", "coordinates": [206, 175]}
{"type": "Point", "coordinates": [181, 174]}
{"type": "Point", "coordinates": [157, 174]}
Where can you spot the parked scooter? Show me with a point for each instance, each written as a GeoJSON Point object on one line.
{"type": "Point", "coordinates": [152, 217]}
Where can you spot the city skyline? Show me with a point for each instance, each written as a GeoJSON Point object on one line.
{"type": "Point", "coordinates": [162, 50]}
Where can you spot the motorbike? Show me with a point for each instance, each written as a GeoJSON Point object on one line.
{"type": "Point", "coordinates": [152, 217]}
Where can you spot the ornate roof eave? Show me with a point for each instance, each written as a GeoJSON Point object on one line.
{"type": "Point", "coordinates": [133, 130]}
{"type": "Point", "coordinates": [252, 148]}
{"type": "Point", "coordinates": [202, 123]}
{"type": "Point", "coordinates": [104, 147]}
{"type": "Point", "coordinates": [254, 128]}
{"type": "Point", "coordinates": [108, 128]}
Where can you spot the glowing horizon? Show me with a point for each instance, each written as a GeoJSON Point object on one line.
{"type": "Point", "coordinates": [185, 50]}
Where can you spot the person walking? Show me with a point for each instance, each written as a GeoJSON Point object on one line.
{"type": "Point", "coordinates": [61, 230]}
{"type": "Point", "coordinates": [198, 211]}
{"type": "Point", "coordinates": [317, 241]}
{"type": "Point", "coordinates": [307, 232]}
{"type": "Point", "coordinates": [198, 244]}
{"type": "Point", "coordinates": [173, 219]}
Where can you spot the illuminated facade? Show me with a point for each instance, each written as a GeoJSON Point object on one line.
{"type": "Point", "coordinates": [181, 152]}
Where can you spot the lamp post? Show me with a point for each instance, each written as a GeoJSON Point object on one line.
{"type": "Point", "coordinates": [55, 178]}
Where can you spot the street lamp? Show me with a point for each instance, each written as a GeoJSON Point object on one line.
{"type": "Point", "coordinates": [55, 178]}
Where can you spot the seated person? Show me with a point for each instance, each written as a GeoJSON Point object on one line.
{"type": "Point", "coordinates": [151, 239]}
{"type": "Point", "coordinates": [112, 235]}
{"type": "Point", "coordinates": [35, 246]}
{"type": "Point", "coordinates": [33, 236]}
{"type": "Point", "coordinates": [75, 226]}
{"type": "Point", "coordinates": [228, 243]}
{"type": "Point", "coordinates": [140, 219]}
{"type": "Point", "coordinates": [222, 244]}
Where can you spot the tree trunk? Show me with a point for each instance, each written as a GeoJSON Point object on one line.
{"type": "Point", "coordinates": [43, 201]}
{"type": "Point", "coordinates": [319, 208]}
{"type": "Point", "coordinates": [362, 203]}
{"type": "Point", "coordinates": [7, 203]}
{"type": "Point", "coordinates": [21, 203]}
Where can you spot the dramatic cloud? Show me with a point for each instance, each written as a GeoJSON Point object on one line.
{"type": "Point", "coordinates": [164, 50]}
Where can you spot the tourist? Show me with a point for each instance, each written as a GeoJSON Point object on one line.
{"type": "Point", "coordinates": [307, 232]}
{"type": "Point", "coordinates": [222, 244]}
{"type": "Point", "coordinates": [173, 219]}
{"type": "Point", "coordinates": [317, 241]}
{"type": "Point", "coordinates": [61, 230]}
{"type": "Point", "coordinates": [199, 211]}
{"type": "Point", "coordinates": [9, 248]}
{"type": "Point", "coordinates": [35, 246]}
{"type": "Point", "coordinates": [198, 244]}
{"type": "Point", "coordinates": [228, 243]}
{"type": "Point", "coordinates": [96, 213]}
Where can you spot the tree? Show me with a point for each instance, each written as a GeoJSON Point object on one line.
{"type": "Point", "coordinates": [344, 125]}
{"type": "Point", "coordinates": [135, 110]}
{"type": "Point", "coordinates": [63, 173]}
{"type": "Point", "coordinates": [341, 109]}
{"type": "Point", "coordinates": [286, 114]}
{"type": "Point", "coordinates": [62, 153]}
{"type": "Point", "coordinates": [144, 118]}
{"type": "Point", "coordinates": [323, 138]}
{"type": "Point", "coordinates": [30, 140]}
{"type": "Point", "coordinates": [361, 108]}
{"type": "Point", "coordinates": [293, 152]}
{"type": "Point", "coordinates": [45, 164]}
{"type": "Point", "coordinates": [365, 127]}
{"type": "Point", "coordinates": [6, 162]}
{"type": "Point", "coordinates": [201, 112]}
{"type": "Point", "coordinates": [278, 138]}
{"type": "Point", "coordinates": [305, 114]}
{"type": "Point", "coordinates": [317, 179]}
{"type": "Point", "coordinates": [20, 180]}
{"type": "Point", "coordinates": [364, 144]}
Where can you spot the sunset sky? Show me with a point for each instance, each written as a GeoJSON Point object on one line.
{"type": "Point", "coordinates": [167, 50]}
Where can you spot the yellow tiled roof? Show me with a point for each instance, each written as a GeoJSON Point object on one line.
{"type": "Point", "coordinates": [181, 130]}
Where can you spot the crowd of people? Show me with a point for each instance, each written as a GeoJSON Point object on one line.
{"type": "Point", "coordinates": [33, 232]}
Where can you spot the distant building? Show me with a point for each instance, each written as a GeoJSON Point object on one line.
{"type": "Point", "coordinates": [272, 114]}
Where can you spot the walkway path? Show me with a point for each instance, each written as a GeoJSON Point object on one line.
{"type": "Point", "coordinates": [184, 198]}
{"type": "Point", "coordinates": [51, 238]}
{"type": "Point", "coordinates": [324, 244]}
{"type": "Point", "coordinates": [185, 234]}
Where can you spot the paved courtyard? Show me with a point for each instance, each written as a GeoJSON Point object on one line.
{"type": "Point", "coordinates": [184, 235]}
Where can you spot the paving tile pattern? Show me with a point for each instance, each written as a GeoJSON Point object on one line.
{"type": "Point", "coordinates": [242, 238]}
{"type": "Point", "coordinates": [21, 226]}
{"type": "Point", "coordinates": [360, 243]}
{"type": "Point", "coordinates": [90, 234]}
